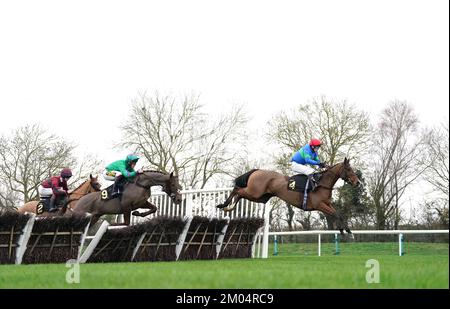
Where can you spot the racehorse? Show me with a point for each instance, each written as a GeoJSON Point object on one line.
{"type": "Point", "coordinates": [135, 195]}
{"type": "Point", "coordinates": [263, 185]}
{"type": "Point", "coordinates": [88, 186]}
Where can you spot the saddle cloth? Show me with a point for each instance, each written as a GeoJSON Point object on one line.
{"type": "Point", "coordinates": [106, 194]}
{"type": "Point", "coordinates": [44, 204]}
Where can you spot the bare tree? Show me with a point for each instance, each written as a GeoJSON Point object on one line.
{"type": "Point", "coordinates": [438, 172]}
{"type": "Point", "coordinates": [396, 146]}
{"type": "Point", "coordinates": [341, 126]}
{"type": "Point", "coordinates": [85, 165]}
{"type": "Point", "coordinates": [8, 198]}
{"type": "Point", "coordinates": [438, 161]}
{"type": "Point", "coordinates": [176, 135]}
{"type": "Point", "coordinates": [29, 155]}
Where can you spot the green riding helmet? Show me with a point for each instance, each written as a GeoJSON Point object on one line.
{"type": "Point", "coordinates": [131, 158]}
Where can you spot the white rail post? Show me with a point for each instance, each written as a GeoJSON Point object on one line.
{"type": "Point", "coordinates": [265, 244]}
{"type": "Point", "coordinates": [182, 237]}
{"type": "Point", "coordinates": [23, 239]}
{"type": "Point", "coordinates": [94, 242]}
{"type": "Point", "coordinates": [138, 245]}
{"type": "Point", "coordinates": [222, 236]}
{"type": "Point", "coordinates": [400, 244]}
{"type": "Point", "coordinates": [189, 205]}
{"type": "Point", "coordinates": [83, 237]}
{"type": "Point", "coordinates": [258, 255]}
{"type": "Point", "coordinates": [319, 251]}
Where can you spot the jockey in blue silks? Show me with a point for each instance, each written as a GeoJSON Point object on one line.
{"type": "Point", "coordinates": [302, 160]}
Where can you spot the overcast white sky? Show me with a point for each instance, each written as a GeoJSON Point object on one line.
{"type": "Point", "coordinates": [76, 65]}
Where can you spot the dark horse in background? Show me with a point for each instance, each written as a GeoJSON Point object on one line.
{"type": "Point", "coordinates": [263, 185]}
{"type": "Point", "coordinates": [135, 195]}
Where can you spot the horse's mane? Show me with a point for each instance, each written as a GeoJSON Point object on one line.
{"type": "Point", "coordinates": [323, 172]}
{"type": "Point", "coordinates": [80, 185]}
{"type": "Point", "coordinates": [333, 165]}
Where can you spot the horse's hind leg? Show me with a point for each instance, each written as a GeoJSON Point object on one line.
{"type": "Point", "coordinates": [233, 205]}
{"type": "Point", "coordinates": [229, 199]}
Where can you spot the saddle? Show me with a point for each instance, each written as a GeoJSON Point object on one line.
{"type": "Point", "coordinates": [300, 183]}
{"type": "Point", "coordinates": [297, 183]}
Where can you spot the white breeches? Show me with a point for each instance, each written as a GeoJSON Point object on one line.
{"type": "Point", "coordinates": [44, 192]}
{"type": "Point", "coordinates": [111, 176]}
{"type": "Point", "coordinates": [301, 169]}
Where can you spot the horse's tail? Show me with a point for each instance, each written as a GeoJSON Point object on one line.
{"type": "Point", "coordinates": [242, 180]}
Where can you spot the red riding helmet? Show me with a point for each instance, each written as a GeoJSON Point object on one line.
{"type": "Point", "coordinates": [315, 142]}
{"type": "Point", "coordinates": [66, 173]}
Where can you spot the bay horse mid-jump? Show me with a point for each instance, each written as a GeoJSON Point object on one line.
{"type": "Point", "coordinates": [136, 195]}
{"type": "Point", "coordinates": [263, 185]}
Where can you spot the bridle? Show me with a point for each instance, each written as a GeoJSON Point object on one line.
{"type": "Point", "coordinates": [140, 185]}
{"type": "Point", "coordinates": [95, 188]}
{"type": "Point", "coordinates": [172, 194]}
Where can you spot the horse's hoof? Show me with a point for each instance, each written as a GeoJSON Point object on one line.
{"type": "Point", "coordinates": [135, 213]}
{"type": "Point", "coordinates": [220, 206]}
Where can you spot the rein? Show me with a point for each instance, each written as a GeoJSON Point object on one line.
{"type": "Point", "coordinates": [142, 186]}
{"type": "Point", "coordinates": [337, 175]}
{"type": "Point", "coordinates": [70, 200]}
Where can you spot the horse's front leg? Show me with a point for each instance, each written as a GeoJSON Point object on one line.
{"type": "Point", "coordinates": [330, 211]}
{"type": "Point", "coordinates": [344, 223]}
{"type": "Point", "coordinates": [150, 206]}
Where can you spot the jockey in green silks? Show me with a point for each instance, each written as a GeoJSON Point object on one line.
{"type": "Point", "coordinates": [121, 171]}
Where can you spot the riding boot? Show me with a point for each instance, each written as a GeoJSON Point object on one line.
{"type": "Point", "coordinates": [52, 206]}
{"type": "Point", "coordinates": [118, 186]}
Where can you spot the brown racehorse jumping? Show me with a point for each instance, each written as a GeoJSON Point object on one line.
{"type": "Point", "coordinates": [263, 184]}
{"type": "Point", "coordinates": [88, 186]}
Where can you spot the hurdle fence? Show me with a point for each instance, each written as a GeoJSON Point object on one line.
{"type": "Point", "coordinates": [203, 202]}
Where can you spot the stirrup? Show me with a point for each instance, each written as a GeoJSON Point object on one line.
{"type": "Point", "coordinates": [313, 183]}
